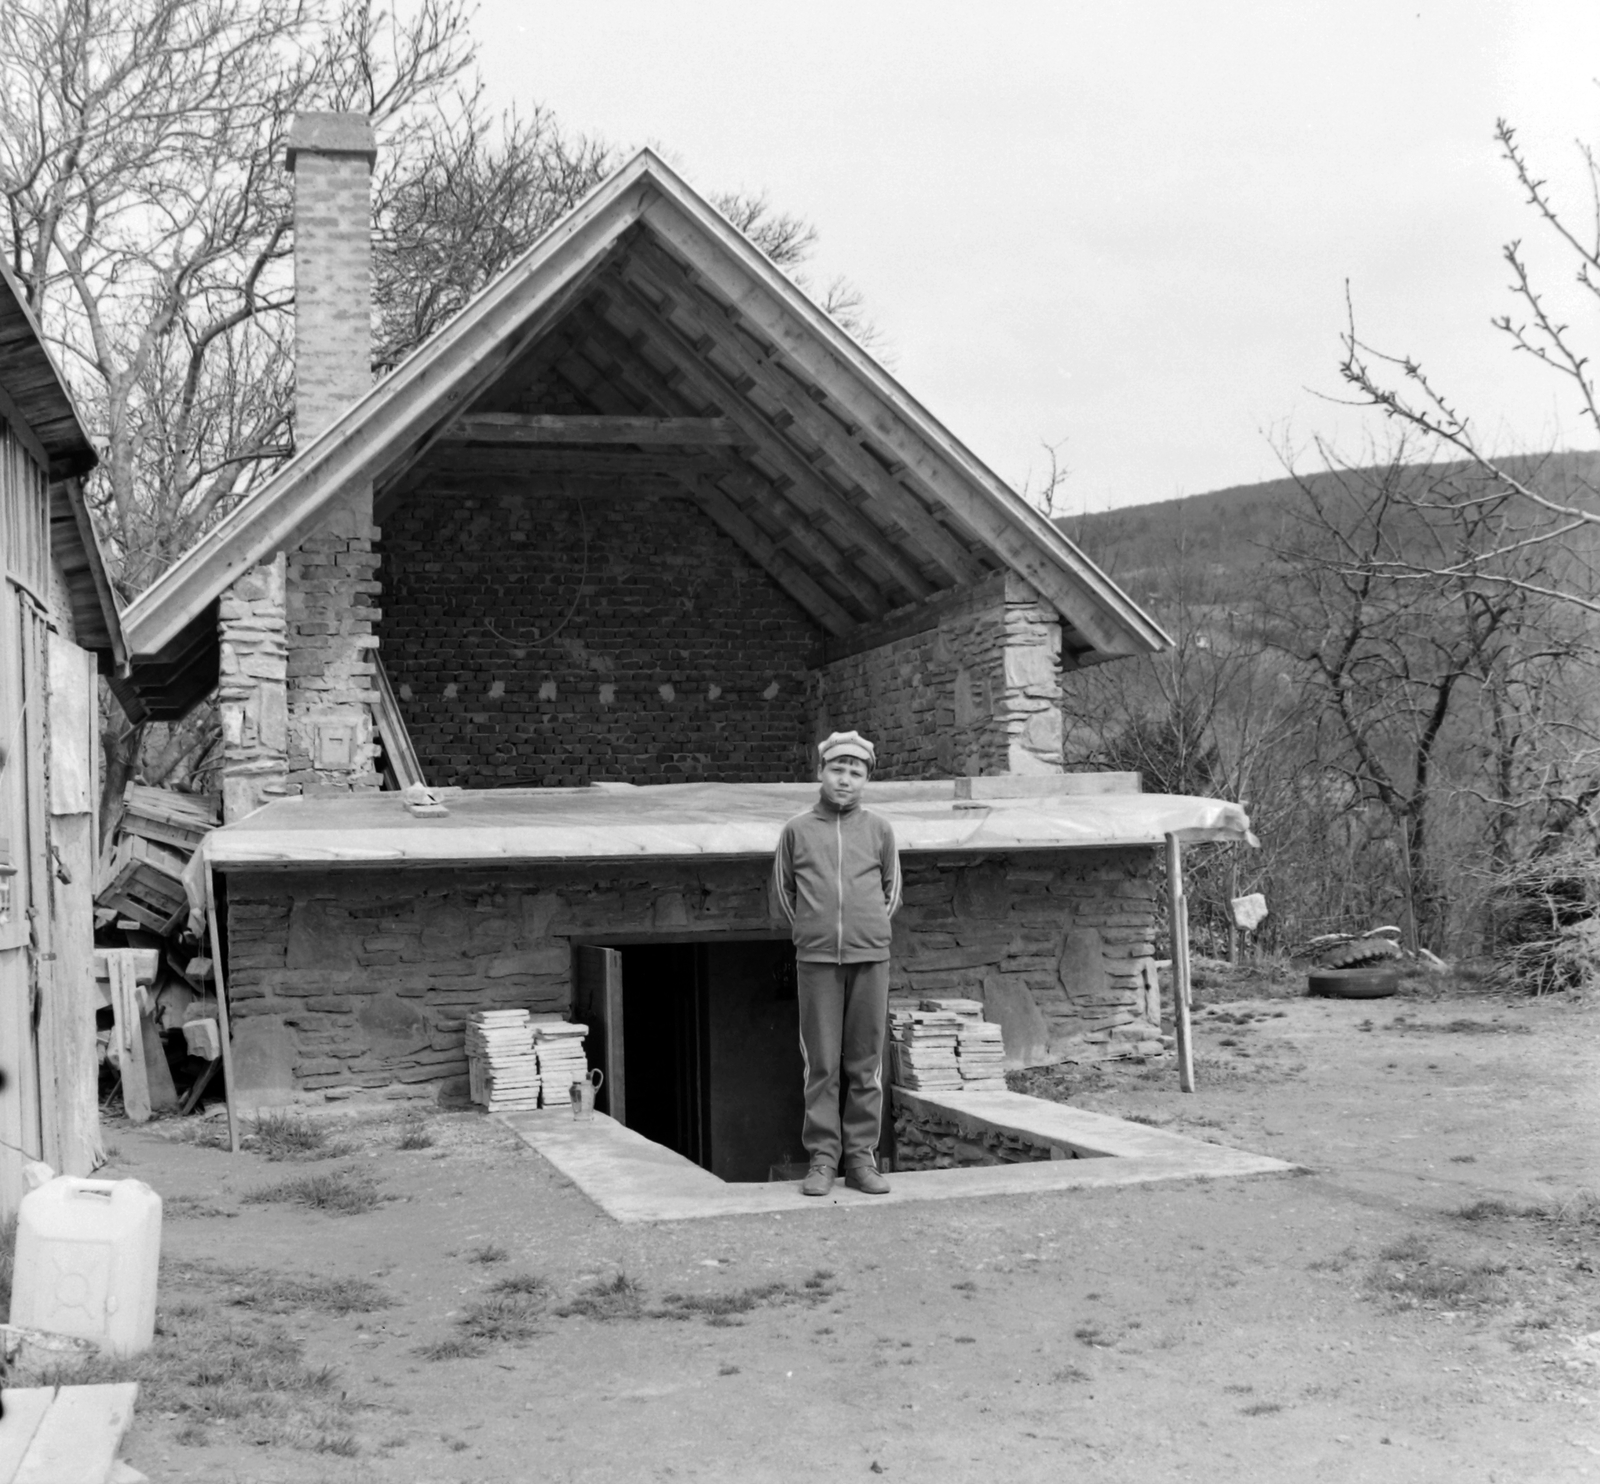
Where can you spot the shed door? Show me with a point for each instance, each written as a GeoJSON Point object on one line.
{"type": "Point", "coordinates": [597, 1003]}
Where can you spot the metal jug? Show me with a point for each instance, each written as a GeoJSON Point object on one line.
{"type": "Point", "coordinates": [583, 1091]}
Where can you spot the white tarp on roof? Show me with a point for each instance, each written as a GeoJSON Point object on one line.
{"type": "Point", "coordinates": [723, 821]}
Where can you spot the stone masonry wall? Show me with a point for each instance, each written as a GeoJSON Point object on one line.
{"type": "Point", "coordinates": [534, 640]}
{"type": "Point", "coordinates": [332, 596]}
{"type": "Point", "coordinates": [978, 695]}
{"type": "Point", "coordinates": [252, 696]}
{"type": "Point", "coordinates": [359, 983]}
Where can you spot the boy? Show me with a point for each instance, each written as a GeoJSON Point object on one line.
{"type": "Point", "coordinates": [837, 880]}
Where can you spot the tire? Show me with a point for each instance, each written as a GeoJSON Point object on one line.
{"type": "Point", "coordinates": [1361, 954]}
{"type": "Point", "coordinates": [1354, 984]}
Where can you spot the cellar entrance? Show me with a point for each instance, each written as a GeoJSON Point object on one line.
{"type": "Point", "coordinates": [700, 1047]}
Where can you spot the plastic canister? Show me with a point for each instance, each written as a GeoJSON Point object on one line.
{"type": "Point", "coordinates": [86, 1261]}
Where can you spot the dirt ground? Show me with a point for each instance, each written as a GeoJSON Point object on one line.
{"type": "Point", "coordinates": [1423, 1303]}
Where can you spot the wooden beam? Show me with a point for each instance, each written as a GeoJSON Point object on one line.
{"type": "Point", "coordinates": [539, 428]}
{"type": "Point", "coordinates": [630, 314]}
{"type": "Point", "coordinates": [648, 266]}
{"type": "Point", "coordinates": [477, 460]}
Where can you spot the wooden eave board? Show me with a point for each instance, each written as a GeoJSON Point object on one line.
{"type": "Point", "coordinates": [697, 821]}
{"type": "Point", "coordinates": [448, 374]}
{"type": "Point", "coordinates": [29, 376]}
{"type": "Point", "coordinates": [73, 547]}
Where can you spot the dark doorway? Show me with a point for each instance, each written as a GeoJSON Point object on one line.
{"type": "Point", "coordinates": [711, 1052]}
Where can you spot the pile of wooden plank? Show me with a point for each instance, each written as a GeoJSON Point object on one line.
{"type": "Point", "coordinates": [923, 1045]}
{"type": "Point", "coordinates": [562, 1062]}
{"type": "Point", "coordinates": [945, 1045]}
{"type": "Point", "coordinates": [502, 1069]}
{"type": "Point", "coordinates": [141, 873]}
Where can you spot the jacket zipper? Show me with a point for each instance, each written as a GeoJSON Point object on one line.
{"type": "Point", "coordinates": [838, 827]}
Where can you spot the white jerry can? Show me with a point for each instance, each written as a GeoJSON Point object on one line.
{"type": "Point", "coordinates": [86, 1261]}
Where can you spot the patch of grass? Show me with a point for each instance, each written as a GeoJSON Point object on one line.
{"type": "Point", "coordinates": [267, 1292]}
{"type": "Point", "coordinates": [1260, 1409]}
{"type": "Point", "coordinates": [338, 1192]}
{"type": "Point", "coordinates": [1488, 1210]}
{"type": "Point", "coordinates": [453, 1347]}
{"type": "Point", "coordinates": [1463, 1159]}
{"type": "Point", "coordinates": [728, 1370]}
{"type": "Point", "coordinates": [527, 1284]}
{"type": "Point", "coordinates": [1407, 1275]}
{"type": "Point", "coordinates": [965, 1286]}
{"type": "Point", "coordinates": [415, 1135]}
{"type": "Point", "coordinates": [1576, 1213]}
{"type": "Point", "coordinates": [247, 1381]}
{"type": "Point", "coordinates": [819, 1278]}
{"type": "Point", "coordinates": [620, 1297]}
{"type": "Point", "coordinates": [1148, 1119]}
{"type": "Point", "coordinates": [1093, 1335]}
{"type": "Point", "coordinates": [1070, 1375]}
{"type": "Point", "coordinates": [283, 1136]}
{"type": "Point", "coordinates": [502, 1316]}
{"type": "Point", "coordinates": [489, 1252]}
{"type": "Point", "coordinates": [1335, 1264]}
{"type": "Point", "coordinates": [720, 1308]}
{"type": "Point", "coordinates": [190, 1207]}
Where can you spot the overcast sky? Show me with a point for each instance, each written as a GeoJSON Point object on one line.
{"type": "Point", "coordinates": [1124, 225]}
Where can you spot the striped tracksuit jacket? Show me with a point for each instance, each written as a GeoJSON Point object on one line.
{"type": "Point", "coordinates": [837, 880]}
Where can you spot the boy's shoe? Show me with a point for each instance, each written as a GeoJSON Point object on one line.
{"type": "Point", "coordinates": [866, 1179]}
{"type": "Point", "coordinates": [818, 1181]}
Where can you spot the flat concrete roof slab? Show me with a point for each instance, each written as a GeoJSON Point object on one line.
{"type": "Point", "coordinates": [632, 1178]}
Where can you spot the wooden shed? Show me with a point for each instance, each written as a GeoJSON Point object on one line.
{"type": "Point", "coordinates": [58, 627]}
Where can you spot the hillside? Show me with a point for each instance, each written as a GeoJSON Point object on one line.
{"type": "Point", "coordinates": [1232, 533]}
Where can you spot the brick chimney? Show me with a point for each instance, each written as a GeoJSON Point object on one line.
{"type": "Point", "coordinates": [331, 156]}
{"type": "Point", "coordinates": [331, 586]}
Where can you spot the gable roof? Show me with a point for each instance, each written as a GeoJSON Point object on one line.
{"type": "Point", "coordinates": [33, 395]}
{"type": "Point", "coordinates": [643, 301]}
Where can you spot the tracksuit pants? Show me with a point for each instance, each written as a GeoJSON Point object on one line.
{"type": "Point", "coordinates": [844, 1009]}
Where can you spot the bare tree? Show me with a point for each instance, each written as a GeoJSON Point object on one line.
{"type": "Point", "coordinates": [1561, 498]}
{"type": "Point", "coordinates": [1424, 694]}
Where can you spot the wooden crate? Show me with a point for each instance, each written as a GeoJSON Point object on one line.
{"type": "Point", "coordinates": [144, 881]}
{"type": "Point", "coordinates": [178, 820]}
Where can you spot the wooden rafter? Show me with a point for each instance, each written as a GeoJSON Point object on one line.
{"type": "Point", "coordinates": [648, 268]}
{"type": "Point", "coordinates": [695, 377]}
{"type": "Point", "coordinates": [544, 428]}
{"type": "Point", "coordinates": [829, 565]}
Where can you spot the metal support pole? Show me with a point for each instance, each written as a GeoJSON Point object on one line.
{"type": "Point", "coordinates": [1178, 916]}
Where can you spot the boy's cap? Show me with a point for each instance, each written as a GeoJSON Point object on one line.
{"type": "Point", "coordinates": [847, 744]}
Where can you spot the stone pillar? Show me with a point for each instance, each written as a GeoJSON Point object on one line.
{"type": "Point", "coordinates": [251, 695]}
{"type": "Point", "coordinates": [1028, 706]}
{"type": "Point", "coordinates": [333, 582]}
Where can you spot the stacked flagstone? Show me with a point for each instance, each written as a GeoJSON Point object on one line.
{"type": "Point", "coordinates": [981, 1057]}
{"type": "Point", "coordinates": [559, 1044]}
{"type": "Point", "coordinates": [924, 1046]}
{"type": "Point", "coordinates": [502, 1070]}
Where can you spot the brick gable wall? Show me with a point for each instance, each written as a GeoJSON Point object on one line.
{"type": "Point", "coordinates": [679, 661]}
